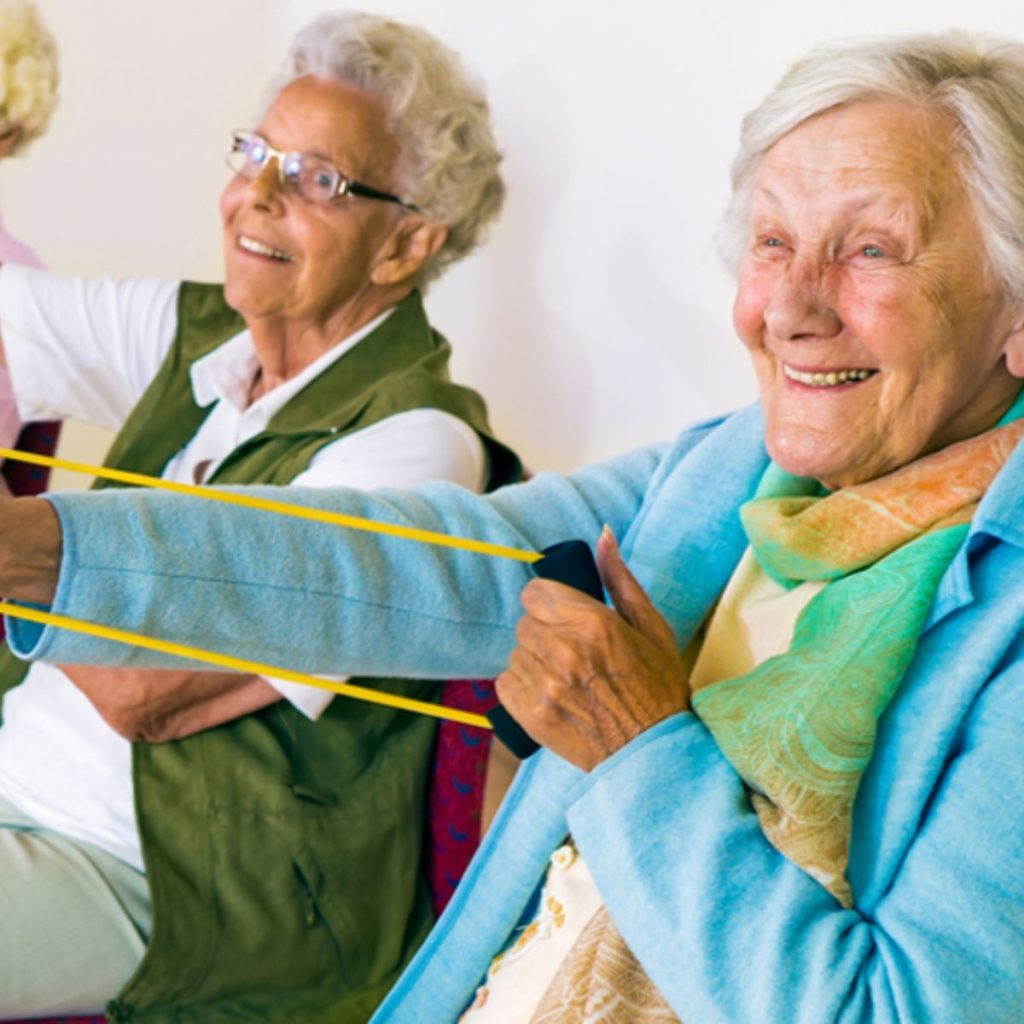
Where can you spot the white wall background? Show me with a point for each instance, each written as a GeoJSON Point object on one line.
{"type": "Point", "coordinates": [597, 318]}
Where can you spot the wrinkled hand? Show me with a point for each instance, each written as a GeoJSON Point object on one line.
{"type": "Point", "coordinates": [30, 546]}
{"type": "Point", "coordinates": [586, 679]}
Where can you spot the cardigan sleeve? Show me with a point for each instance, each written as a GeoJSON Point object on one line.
{"type": "Point", "coordinates": [731, 931]}
{"type": "Point", "coordinates": [313, 597]}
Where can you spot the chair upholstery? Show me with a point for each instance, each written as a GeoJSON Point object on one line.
{"type": "Point", "coordinates": [23, 479]}
{"type": "Point", "coordinates": [60, 1020]}
{"type": "Point", "coordinates": [455, 792]}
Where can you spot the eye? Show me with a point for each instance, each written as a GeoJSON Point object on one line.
{"type": "Point", "coordinates": [315, 179]}
{"type": "Point", "coordinates": [770, 245]}
{"type": "Point", "coordinates": [292, 167]}
{"type": "Point", "coordinates": [872, 252]}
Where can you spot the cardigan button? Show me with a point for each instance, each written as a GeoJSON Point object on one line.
{"type": "Point", "coordinates": [564, 857]}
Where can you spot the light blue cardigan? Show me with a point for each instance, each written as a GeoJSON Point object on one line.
{"type": "Point", "coordinates": [728, 929]}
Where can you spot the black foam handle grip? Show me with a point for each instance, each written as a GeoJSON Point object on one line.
{"type": "Point", "coordinates": [571, 562]}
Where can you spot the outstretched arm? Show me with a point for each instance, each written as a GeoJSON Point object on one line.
{"type": "Point", "coordinates": [309, 596]}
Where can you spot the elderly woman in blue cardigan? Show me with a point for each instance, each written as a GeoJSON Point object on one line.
{"type": "Point", "coordinates": [781, 775]}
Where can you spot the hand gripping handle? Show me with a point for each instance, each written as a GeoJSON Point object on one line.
{"type": "Point", "coordinates": [571, 562]}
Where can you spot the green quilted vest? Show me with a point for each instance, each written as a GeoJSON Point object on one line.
{"type": "Point", "coordinates": [283, 855]}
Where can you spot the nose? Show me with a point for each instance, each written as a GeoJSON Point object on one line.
{"type": "Point", "coordinates": [265, 189]}
{"type": "Point", "coordinates": [800, 304]}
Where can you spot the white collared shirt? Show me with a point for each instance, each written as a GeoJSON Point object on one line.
{"type": "Point", "coordinates": [224, 379]}
{"type": "Point", "coordinates": [87, 350]}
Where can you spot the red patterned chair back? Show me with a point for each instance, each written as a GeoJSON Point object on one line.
{"type": "Point", "coordinates": [23, 479]}
{"type": "Point", "coordinates": [455, 792]}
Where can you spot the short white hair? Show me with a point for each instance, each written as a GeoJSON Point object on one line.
{"type": "Point", "coordinates": [28, 71]}
{"type": "Point", "coordinates": [976, 81]}
{"type": "Point", "coordinates": [449, 160]}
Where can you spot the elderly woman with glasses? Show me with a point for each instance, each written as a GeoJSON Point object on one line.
{"type": "Point", "coordinates": [206, 843]}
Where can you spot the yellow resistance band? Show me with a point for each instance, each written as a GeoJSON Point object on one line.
{"type": "Point", "coordinates": [281, 508]}
{"type": "Point", "coordinates": [121, 636]}
{"type": "Point", "coordinates": [237, 497]}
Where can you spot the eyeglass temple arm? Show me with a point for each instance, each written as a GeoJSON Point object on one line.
{"type": "Point", "coordinates": [367, 192]}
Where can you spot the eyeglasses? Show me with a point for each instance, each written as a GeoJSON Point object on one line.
{"type": "Point", "coordinates": [311, 176]}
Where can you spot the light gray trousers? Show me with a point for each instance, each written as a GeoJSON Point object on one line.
{"type": "Point", "coordinates": [74, 921]}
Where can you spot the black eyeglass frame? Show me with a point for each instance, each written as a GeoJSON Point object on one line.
{"type": "Point", "coordinates": [345, 186]}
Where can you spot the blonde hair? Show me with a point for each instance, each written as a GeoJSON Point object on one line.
{"type": "Point", "coordinates": [978, 82]}
{"type": "Point", "coordinates": [28, 71]}
{"type": "Point", "coordinates": [449, 162]}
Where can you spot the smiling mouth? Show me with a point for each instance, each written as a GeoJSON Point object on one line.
{"type": "Point", "coordinates": [259, 249]}
{"type": "Point", "coordinates": [826, 378]}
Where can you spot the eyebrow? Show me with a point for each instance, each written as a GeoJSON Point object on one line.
{"type": "Point", "coordinates": [922, 205]}
{"type": "Point", "coordinates": [860, 200]}
{"type": "Point", "coordinates": [319, 154]}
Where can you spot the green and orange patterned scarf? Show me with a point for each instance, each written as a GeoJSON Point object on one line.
{"type": "Point", "coordinates": [800, 728]}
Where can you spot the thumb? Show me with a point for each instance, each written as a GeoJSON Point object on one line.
{"type": "Point", "coordinates": [629, 599]}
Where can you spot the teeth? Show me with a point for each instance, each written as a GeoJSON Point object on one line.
{"type": "Point", "coordinates": [251, 245]}
{"type": "Point", "coordinates": [826, 380]}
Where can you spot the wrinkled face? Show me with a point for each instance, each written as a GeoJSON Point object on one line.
{"type": "Point", "coordinates": [876, 328]}
{"type": "Point", "coordinates": [292, 260]}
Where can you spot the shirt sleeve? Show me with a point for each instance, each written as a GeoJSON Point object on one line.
{"type": "Point", "coordinates": [401, 451]}
{"type": "Point", "coordinates": [80, 348]}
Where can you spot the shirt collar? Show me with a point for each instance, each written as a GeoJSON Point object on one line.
{"type": "Point", "coordinates": [226, 373]}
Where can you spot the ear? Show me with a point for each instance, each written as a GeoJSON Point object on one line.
{"type": "Point", "coordinates": [1013, 347]}
{"type": "Point", "coordinates": [9, 139]}
{"type": "Point", "coordinates": [413, 242]}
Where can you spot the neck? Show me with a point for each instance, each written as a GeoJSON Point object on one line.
{"type": "Point", "coordinates": [286, 346]}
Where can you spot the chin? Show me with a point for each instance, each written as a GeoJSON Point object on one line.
{"type": "Point", "coordinates": [802, 459]}
{"type": "Point", "coordinates": [236, 301]}
{"type": "Point", "coordinates": [241, 297]}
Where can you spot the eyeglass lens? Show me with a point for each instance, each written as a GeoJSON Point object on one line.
{"type": "Point", "coordinates": [312, 177]}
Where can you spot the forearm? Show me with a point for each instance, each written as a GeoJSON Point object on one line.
{"type": "Point", "coordinates": [732, 931]}
{"type": "Point", "coordinates": [718, 918]}
{"type": "Point", "coordinates": [30, 549]}
{"type": "Point", "coordinates": [156, 705]}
